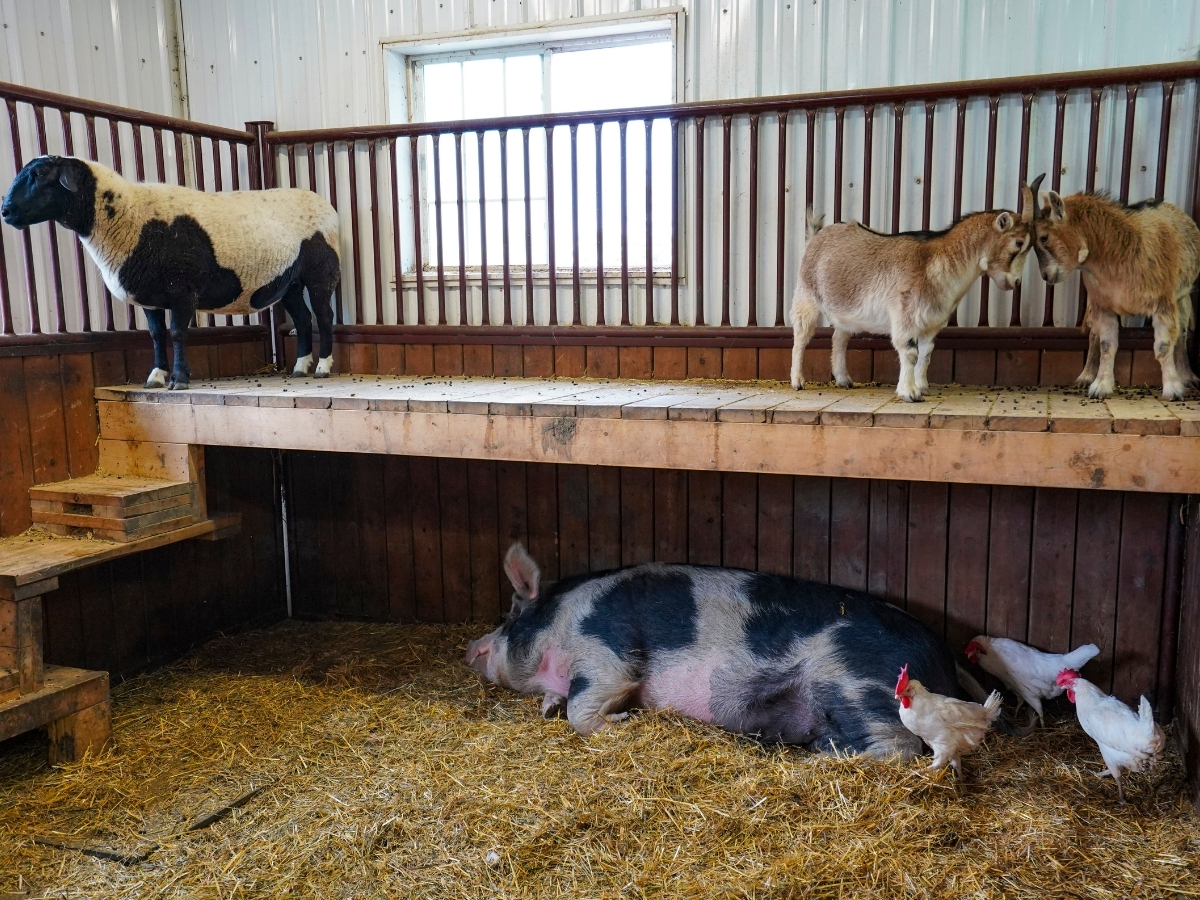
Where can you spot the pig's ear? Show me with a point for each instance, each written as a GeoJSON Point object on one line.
{"type": "Point", "coordinates": [523, 572]}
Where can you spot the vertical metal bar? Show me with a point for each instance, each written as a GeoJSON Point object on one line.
{"type": "Point", "coordinates": [437, 220]}
{"type": "Point", "coordinates": [35, 324]}
{"type": "Point", "coordinates": [897, 160]}
{"type": "Point", "coordinates": [197, 158]}
{"type": "Point", "coordinates": [698, 311]}
{"type": "Point", "coordinates": [810, 154]}
{"type": "Point", "coordinates": [460, 203]}
{"type": "Point", "coordinates": [60, 312]}
{"type": "Point", "coordinates": [752, 299]}
{"type": "Point", "coordinates": [373, 176]}
{"type": "Point", "coordinates": [601, 310]}
{"type": "Point", "coordinates": [674, 221]}
{"type": "Point", "coordinates": [485, 309]}
{"type": "Point", "coordinates": [623, 127]}
{"type": "Point", "coordinates": [418, 263]}
{"type": "Point", "coordinates": [989, 198]}
{"type": "Point", "coordinates": [356, 247]}
{"type": "Point", "coordinates": [504, 224]}
{"type": "Point", "coordinates": [218, 185]}
{"type": "Point", "coordinates": [160, 160]}
{"type": "Point", "coordinates": [233, 165]}
{"type": "Point", "coordinates": [960, 134]}
{"type": "Point", "coordinates": [85, 303]}
{"type": "Point", "coordinates": [1014, 316]}
{"type": "Point", "coordinates": [1164, 133]}
{"type": "Point", "coordinates": [6, 319]}
{"type": "Point", "coordinates": [551, 263]}
{"type": "Point", "coordinates": [139, 165]}
{"type": "Point", "coordinates": [1131, 92]}
{"type": "Point", "coordinates": [529, 319]}
{"type": "Point", "coordinates": [927, 173]}
{"type": "Point", "coordinates": [1090, 180]}
{"type": "Point", "coordinates": [868, 157]}
{"type": "Point", "coordinates": [1060, 107]}
{"type": "Point", "coordinates": [839, 121]}
{"type": "Point", "coordinates": [397, 268]}
{"type": "Point", "coordinates": [291, 158]}
{"type": "Point", "coordinates": [575, 286]}
{"type": "Point", "coordinates": [93, 154]}
{"type": "Point", "coordinates": [648, 124]}
{"type": "Point", "coordinates": [310, 151]}
{"type": "Point", "coordinates": [180, 171]}
{"type": "Point", "coordinates": [780, 216]}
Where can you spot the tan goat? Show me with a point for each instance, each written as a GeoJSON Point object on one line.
{"type": "Point", "coordinates": [1134, 260]}
{"type": "Point", "coordinates": [905, 285]}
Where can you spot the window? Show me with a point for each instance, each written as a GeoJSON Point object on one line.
{"type": "Point", "coordinates": [596, 72]}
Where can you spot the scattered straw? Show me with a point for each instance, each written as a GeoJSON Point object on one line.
{"type": "Point", "coordinates": [390, 770]}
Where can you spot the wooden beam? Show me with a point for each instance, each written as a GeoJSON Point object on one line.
{"type": "Point", "coordinates": [66, 692]}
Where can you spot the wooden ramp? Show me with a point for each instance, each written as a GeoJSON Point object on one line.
{"type": "Point", "coordinates": [989, 436]}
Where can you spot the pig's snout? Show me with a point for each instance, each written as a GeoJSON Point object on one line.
{"type": "Point", "coordinates": [477, 655]}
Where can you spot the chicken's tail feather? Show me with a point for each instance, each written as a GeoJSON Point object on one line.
{"type": "Point", "coordinates": [992, 705]}
{"type": "Point", "coordinates": [1080, 656]}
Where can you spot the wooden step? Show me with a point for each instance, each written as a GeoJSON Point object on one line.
{"type": "Point", "coordinates": [114, 507]}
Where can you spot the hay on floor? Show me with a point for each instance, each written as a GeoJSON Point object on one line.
{"type": "Point", "coordinates": [389, 769]}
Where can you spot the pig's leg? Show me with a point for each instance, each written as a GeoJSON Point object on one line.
{"type": "Point", "coordinates": [554, 706]}
{"type": "Point", "coordinates": [595, 700]}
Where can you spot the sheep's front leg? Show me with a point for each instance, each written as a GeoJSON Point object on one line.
{"type": "Point", "coordinates": [840, 373]}
{"type": "Point", "coordinates": [1166, 335]}
{"type": "Point", "coordinates": [181, 316]}
{"type": "Point", "coordinates": [156, 324]}
{"type": "Point", "coordinates": [907, 349]}
{"type": "Point", "coordinates": [1105, 328]}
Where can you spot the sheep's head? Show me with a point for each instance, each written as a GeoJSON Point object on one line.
{"type": "Point", "coordinates": [58, 188]}
{"type": "Point", "coordinates": [1004, 259]}
{"type": "Point", "coordinates": [1059, 246]}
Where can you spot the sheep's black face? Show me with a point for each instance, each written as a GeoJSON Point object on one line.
{"type": "Point", "coordinates": [55, 188]}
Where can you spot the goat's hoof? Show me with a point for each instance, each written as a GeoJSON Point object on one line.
{"type": "Point", "coordinates": [1084, 380]}
{"type": "Point", "coordinates": [1174, 393]}
{"type": "Point", "coordinates": [1098, 391]}
{"type": "Point", "coordinates": [157, 379]}
{"type": "Point", "coordinates": [844, 383]}
{"type": "Point", "coordinates": [798, 385]}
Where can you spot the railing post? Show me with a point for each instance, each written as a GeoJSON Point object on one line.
{"type": "Point", "coordinates": [262, 177]}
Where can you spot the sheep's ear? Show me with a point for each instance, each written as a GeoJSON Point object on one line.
{"type": "Point", "coordinates": [1004, 221]}
{"type": "Point", "coordinates": [524, 574]}
{"type": "Point", "coordinates": [1055, 210]}
{"type": "Point", "coordinates": [68, 178]}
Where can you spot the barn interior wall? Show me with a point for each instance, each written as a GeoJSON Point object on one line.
{"type": "Point", "coordinates": [1187, 702]}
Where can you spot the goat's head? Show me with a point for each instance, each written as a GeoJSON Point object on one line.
{"type": "Point", "coordinates": [1004, 259]}
{"type": "Point", "coordinates": [1059, 246]}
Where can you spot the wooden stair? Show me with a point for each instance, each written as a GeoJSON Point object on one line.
{"type": "Point", "coordinates": [115, 507]}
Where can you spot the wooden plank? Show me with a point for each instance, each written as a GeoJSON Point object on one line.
{"type": "Point", "coordinates": [127, 524]}
{"type": "Point", "coordinates": [804, 408]}
{"type": "Point", "coordinates": [887, 552]}
{"type": "Point", "coordinates": [967, 563]}
{"type": "Point", "coordinates": [308, 506]}
{"type": "Point", "coordinates": [860, 365]}
{"type": "Point", "coordinates": [739, 520]}
{"type": "Point", "coordinates": [108, 367]}
{"type": "Point", "coordinates": [655, 405]}
{"type": "Point", "coordinates": [704, 408]}
{"type": "Point", "coordinates": [1093, 612]}
{"type": "Point", "coordinates": [1020, 411]}
{"type": "Point", "coordinates": [390, 359]}
{"type": "Point", "coordinates": [604, 517]}
{"type": "Point", "coordinates": [849, 530]}
{"type": "Point", "coordinates": [975, 367]}
{"type": "Point", "coordinates": [637, 516]}
{"type": "Point", "coordinates": [447, 359]}
{"type": "Point", "coordinates": [670, 363]}
{"type": "Point", "coordinates": [570, 362]}
{"type": "Point", "coordinates": [16, 451]}
{"type": "Point", "coordinates": [485, 552]}
{"type": "Point", "coordinates": [507, 361]}
{"type": "Point", "coordinates": [1144, 415]}
{"type": "Point", "coordinates": [1060, 367]}
{"type": "Point", "coordinates": [573, 550]}
{"type": "Point", "coordinates": [456, 545]}
{"type": "Point", "coordinates": [897, 413]}
{"type": "Point", "coordinates": [115, 512]}
{"type": "Point", "coordinates": [774, 364]}
{"type": "Point", "coordinates": [397, 494]}
{"type": "Point", "coordinates": [635, 362]}
{"type": "Point", "coordinates": [928, 512]}
{"type": "Point", "coordinates": [95, 607]}
{"type": "Point", "coordinates": [1139, 600]}
{"type": "Point", "coordinates": [65, 692]}
{"type": "Point", "coordinates": [79, 413]}
{"type": "Point", "coordinates": [739, 363]}
{"type": "Point", "coordinates": [427, 544]}
{"type": "Point", "coordinates": [754, 408]}
{"type": "Point", "coordinates": [1017, 368]}
{"type": "Point", "coordinates": [1052, 569]}
{"type": "Point", "coordinates": [538, 360]}
{"type": "Point", "coordinates": [703, 362]}
{"type": "Point", "coordinates": [129, 611]}
{"type": "Point", "coordinates": [529, 514]}
{"type": "Point", "coordinates": [74, 736]}
{"type": "Point", "coordinates": [372, 536]}
{"type": "Point", "coordinates": [603, 362]}
{"type": "Point", "coordinates": [1076, 413]}
{"type": "Point", "coordinates": [670, 515]}
{"type": "Point", "coordinates": [418, 359]}
{"type": "Point", "coordinates": [704, 518]}
{"type": "Point", "coordinates": [125, 491]}
{"type": "Point", "coordinates": [1009, 546]}
{"type": "Point", "coordinates": [810, 559]}
{"type": "Point", "coordinates": [775, 524]}
{"type": "Point", "coordinates": [604, 401]}
{"type": "Point", "coordinates": [363, 359]}
{"type": "Point", "coordinates": [885, 367]}
{"type": "Point", "coordinates": [1188, 414]}
{"type": "Point", "coordinates": [519, 398]}
{"type": "Point", "coordinates": [858, 408]}
{"type": "Point", "coordinates": [962, 411]}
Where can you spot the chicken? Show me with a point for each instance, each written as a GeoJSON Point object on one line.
{"type": "Point", "coordinates": [1029, 672]}
{"type": "Point", "coordinates": [951, 727]}
{"type": "Point", "coordinates": [1127, 740]}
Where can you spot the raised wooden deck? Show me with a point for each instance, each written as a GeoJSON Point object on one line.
{"type": "Point", "coordinates": [1057, 438]}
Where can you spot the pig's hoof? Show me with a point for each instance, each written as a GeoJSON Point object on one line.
{"type": "Point", "coordinates": [616, 717]}
{"type": "Point", "coordinates": [554, 706]}
{"type": "Point", "coordinates": [157, 379]}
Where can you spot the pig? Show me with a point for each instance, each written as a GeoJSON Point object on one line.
{"type": "Point", "coordinates": [779, 659]}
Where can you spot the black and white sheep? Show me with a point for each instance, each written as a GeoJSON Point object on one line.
{"type": "Point", "coordinates": [173, 248]}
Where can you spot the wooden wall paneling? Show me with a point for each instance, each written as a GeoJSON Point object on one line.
{"type": "Point", "coordinates": [140, 362]}
{"type": "Point", "coordinates": [527, 508]}
{"type": "Point", "coordinates": [427, 543]}
{"type": "Point", "coordinates": [307, 497]}
{"type": "Point", "coordinates": [96, 610]}
{"type": "Point", "coordinates": [447, 359]}
{"type": "Point", "coordinates": [1009, 557]}
{"type": "Point", "coordinates": [372, 536]}
{"type": "Point", "coordinates": [200, 367]}
{"type": "Point", "coordinates": [670, 515]}
{"type": "Point", "coordinates": [573, 550]}
{"type": "Point", "coordinates": [47, 428]}
{"type": "Point", "coordinates": [1052, 568]}
{"type": "Point", "coordinates": [774, 544]}
{"type": "Point", "coordinates": [975, 366]}
{"type": "Point", "coordinates": [390, 358]}
{"type": "Point", "coordinates": [810, 516]}
{"type": "Point", "coordinates": [603, 362]}
{"type": "Point", "coordinates": [364, 359]}
{"type": "Point", "coordinates": [887, 556]}
{"type": "Point", "coordinates": [397, 501]}
{"type": "Point", "coordinates": [229, 358]}
{"type": "Point", "coordinates": [637, 516]}
{"type": "Point", "coordinates": [63, 621]}
{"type": "Point", "coordinates": [418, 359]}
{"type": "Point", "coordinates": [1144, 523]}
{"type": "Point", "coordinates": [456, 540]}
{"type": "Point", "coordinates": [79, 413]}
{"type": "Point", "coordinates": [477, 360]}
{"type": "Point", "coordinates": [703, 362]}
{"type": "Point", "coordinates": [849, 531]}
{"type": "Point", "coordinates": [1060, 367]}
{"type": "Point", "coordinates": [537, 360]}
{"type": "Point", "coordinates": [635, 362]}
{"type": "Point", "coordinates": [604, 517]}
{"type": "Point", "coordinates": [226, 562]}
{"type": "Point", "coordinates": [967, 563]}
{"type": "Point", "coordinates": [739, 520]}
{"type": "Point", "coordinates": [16, 452]}
{"type": "Point", "coordinates": [164, 637]}
{"type": "Point", "coordinates": [484, 555]}
{"type": "Point", "coordinates": [188, 589]}
{"type": "Point", "coordinates": [268, 539]}
{"type": "Point", "coordinates": [704, 518]}
{"type": "Point", "coordinates": [739, 363]}
{"type": "Point", "coordinates": [344, 541]}
{"type": "Point", "coordinates": [1187, 660]}
{"type": "Point", "coordinates": [570, 362]}
{"type": "Point", "coordinates": [108, 367]}
{"type": "Point", "coordinates": [816, 367]}
{"type": "Point", "coordinates": [941, 367]}
{"type": "Point", "coordinates": [1097, 555]}
{"type": "Point", "coordinates": [861, 365]}
{"type": "Point", "coordinates": [774, 363]}
{"type": "Point", "coordinates": [1123, 367]}
{"type": "Point", "coordinates": [256, 355]}
{"type": "Point", "coordinates": [928, 514]}
{"type": "Point", "coordinates": [1017, 367]}
{"type": "Point", "coordinates": [508, 361]}
{"type": "Point", "coordinates": [885, 366]}
{"type": "Point", "coordinates": [1145, 369]}
{"type": "Point", "coordinates": [670, 363]}
{"type": "Point", "coordinates": [341, 357]}
{"type": "Point", "coordinates": [128, 612]}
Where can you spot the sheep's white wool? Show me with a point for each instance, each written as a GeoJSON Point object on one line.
{"type": "Point", "coordinates": [325, 366]}
{"type": "Point", "coordinates": [158, 378]}
{"type": "Point", "coordinates": [303, 365]}
{"type": "Point", "coordinates": [256, 234]}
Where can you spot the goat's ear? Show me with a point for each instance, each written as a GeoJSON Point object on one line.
{"type": "Point", "coordinates": [1055, 209]}
{"type": "Point", "coordinates": [524, 574]}
{"type": "Point", "coordinates": [1004, 221]}
{"type": "Point", "coordinates": [68, 177]}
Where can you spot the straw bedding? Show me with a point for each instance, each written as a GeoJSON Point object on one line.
{"type": "Point", "coordinates": [390, 770]}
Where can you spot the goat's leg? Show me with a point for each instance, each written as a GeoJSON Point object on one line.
{"type": "Point", "coordinates": [156, 324]}
{"type": "Point", "coordinates": [907, 349]}
{"type": "Point", "coordinates": [924, 352]}
{"type": "Point", "coordinates": [1183, 365]}
{"type": "Point", "coordinates": [181, 317]}
{"type": "Point", "coordinates": [1105, 328]}
{"type": "Point", "coordinates": [840, 373]}
{"type": "Point", "coordinates": [804, 323]}
{"type": "Point", "coordinates": [1092, 365]}
{"type": "Point", "coordinates": [1166, 335]}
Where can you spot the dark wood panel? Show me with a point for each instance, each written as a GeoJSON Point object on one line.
{"type": "Point", "coordinates": [670, 515]}
{"type": "Point", "coordinates": [775, 523]}
{"type": "Point", "coordinates": [1139, 593]}
{"type": "Point", "coordinates": [456, 540]}
{"type": "Point", "coordinates": [1187, 664]}
{"type": "Point", "coordinates": [604, 518]}
{"type": "Point", "coordinates": [1010, 545]}
{"type": "Point", "coordinates": [79, 413]}
{"type": "Point", "coordinates": [16, 453]}
{"type": "Point", "coordinates": [927, 518]}
{"type": "Point", "coordinates": [739, 520]}
{"type": "Point", "coordinates": [372, 537]}
{"type": "Point", "coordinates": [1052, 569]}
{"type": "Point", "coordinates": [637, 516]}
{"type": "Point", "coordinates": [1094, 611]}
{"type": "Point", "coordinates": [887, 557]}
{"type": "Point", "coordinates": [849, 530]}
{"type": "Point", "coordinates": [704, 518]}
{"type": "Point", "coordinates": [397, 500]}
{"type": "Point", "coordinates": [308, 501]}
{"type": "Point", "coordinates": [810, 558]}
{"type": "Point", "coordinates": [427, 543]}
{"type": "Point", "coordinates": [47, 428]}
{"type": "Point", "coordinates": [484, 556]}
{"type": "Point", "coordinates": [967, 563]}
{"type": "Point", "coordinates": [573, 551]}
{"type": "Point", "coordinates": [342, 541]}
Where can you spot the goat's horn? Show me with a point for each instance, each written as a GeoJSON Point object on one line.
{"type": "Point", "coordinates": [1033, 195]}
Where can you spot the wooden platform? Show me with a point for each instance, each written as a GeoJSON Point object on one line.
{"type": "Point", "coordinates": [1060, 438]}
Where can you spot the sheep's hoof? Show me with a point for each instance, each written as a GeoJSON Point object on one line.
{"type": "Point", "coordinates": [157, 379]}
{"type": "Point", "coordinates": [178, 384]}
{"type": "Point", "coordinates": [303, 365]}
{"type": "Point", "coordinates": [324, 367]}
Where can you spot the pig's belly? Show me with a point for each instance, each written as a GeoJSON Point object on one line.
{"type": "Point", "coordinates": [685, 688]}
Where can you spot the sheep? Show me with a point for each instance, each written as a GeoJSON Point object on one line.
{"type": "Point", "coordinates": [1134, 260]}
{"type": "Point", "coordinates": [173, 248]}
{"type": "Point", "coordinates": [905, 284]}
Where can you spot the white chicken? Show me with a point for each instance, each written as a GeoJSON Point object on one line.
{"type": "Point", "coordinates": [1021, 668]}
{"type": "Point", "coordinates": [951, 727]}
{"type": "Point", "coordinates": [1127, 740]}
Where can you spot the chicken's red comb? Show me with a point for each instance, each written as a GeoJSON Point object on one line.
{"type": "Point", "coordinates": [902, 682]}
{"type": "Point", "coordinates": [1066, 677]}
{"type": "Point", "coordinates": [974, 647]}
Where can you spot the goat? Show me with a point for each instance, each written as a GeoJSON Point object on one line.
{"type": "Point", "coordinates": [905, 285]}
{"type": "Point", "coordinates": [1134, 260]}
{"type": "Point", "coordinates": [173, 248]}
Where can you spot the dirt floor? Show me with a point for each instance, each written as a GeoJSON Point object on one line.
{"type": "Point", "coordinates": [385, 768]}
